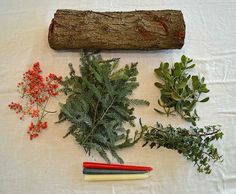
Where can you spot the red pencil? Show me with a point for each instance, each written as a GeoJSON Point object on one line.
{"type": "Point", "coordinates": [97, 165]}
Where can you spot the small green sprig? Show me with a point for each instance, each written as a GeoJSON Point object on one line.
{"type": "Point", "coordinates": [180, 91]}
{"type": "Point", "coordinates": [194, 143]}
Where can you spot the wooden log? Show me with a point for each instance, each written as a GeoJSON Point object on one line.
{"type": "Point", "coordinates": [136, 30]}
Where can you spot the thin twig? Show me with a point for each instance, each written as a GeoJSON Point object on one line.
{"type": "Point", "coordinates": [97, 122]}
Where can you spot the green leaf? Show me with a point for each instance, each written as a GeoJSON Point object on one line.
{"type": "Point", "coordinates": [203, 89]}
{"type": "Point", "coordinates": [191, 66]}
{"type": "Point", "coordinates": [72, 71]}
{"type": "Point", "coordinates": [108, 86]}
{"type": "Point", "coordinates": [103, 154]}
{"type": "Point", "coordinates": [182, 84]}
{"type": "Point", "coordinates": [192, 105]}
{"type": "Point", "coordinates": [195, 82]}
{"type": "Point", "coordinates": [158, 72]}
{"type": "Point", "coordinates": [184, 59]}
{"type": "Point", "coordinates": [93, 88]}
{"type": "Point", "coordinates": [177, 72]}
{"type": "Point", "coordinates": [139, 102]}
{"type": "Point", "coordinates": [61, 117]}
{"type": "Point", "coordinates": [116, 156]}
{"type": "Point", "coordinates": [166, 66]}
{"type": "Point", "coordinates": [96, 75]}
{"type": "Point", "coordinates": [175, 96]}
{"type": "Point", "coordinates": [159, 85]}
{"type": "Point", "coordinates": [71, 129]}
{"type": "Point", "coordinates": [178, 107]}
{"type": "Point", "coordinates": [204, 100]}
{"type": "Point", "coordinates": [159, 111]}
{"type": "Point", "coordinates": [121, 111]}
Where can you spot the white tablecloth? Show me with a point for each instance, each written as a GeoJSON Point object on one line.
{"type": "Point", "coordinates": [52, 165]}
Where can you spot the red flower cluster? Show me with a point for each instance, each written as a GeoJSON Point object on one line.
{"type": "Point", "coordinates": [34, 129]}
{"type": "Point", "coordinates": [15, 106]}
{"type": "Point", "coordinates": [36, 91]}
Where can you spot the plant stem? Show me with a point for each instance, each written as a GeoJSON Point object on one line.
{"type": "Point", "coordinates": [95, 114]}
{"type": "Point", "coordinates": [43, 110]}
{"type": "Point", "coordinates": [97, 122]}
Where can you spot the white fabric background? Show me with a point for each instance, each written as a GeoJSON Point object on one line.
{"type": "Point", "coordinates": [52, 165]}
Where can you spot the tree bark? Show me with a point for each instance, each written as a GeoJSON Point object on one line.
{"type": "Point", "coordinates": [136, 30]}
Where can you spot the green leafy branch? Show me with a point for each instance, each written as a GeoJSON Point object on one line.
{"type": "Point", "coordinates": [180, 92]}
{"type": "Point", "coordinates": [194, 143]}
{"type": "Point", "coordinates": [98, 105]}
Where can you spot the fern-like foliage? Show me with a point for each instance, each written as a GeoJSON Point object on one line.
{"type": "Point", "coordinates": [98, 105]}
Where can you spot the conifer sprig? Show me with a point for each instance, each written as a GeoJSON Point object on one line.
{"type": "Point", "coordinates": [98, 105]}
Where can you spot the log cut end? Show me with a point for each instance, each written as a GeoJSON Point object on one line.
{"type": "Point", "coordinates": [136, 30]}
{"type": "Point", "coordinates": [50, 35]}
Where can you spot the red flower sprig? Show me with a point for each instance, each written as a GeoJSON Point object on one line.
{"type": "Point", "coordinates": [35, 92]}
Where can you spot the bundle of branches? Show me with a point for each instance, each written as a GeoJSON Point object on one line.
{"type": "Point", "coordinates": [180, 91]}
{"type": "Point", "coordinates": [98, 105]}
{"type": "Point", "coordinates": [194, 143]}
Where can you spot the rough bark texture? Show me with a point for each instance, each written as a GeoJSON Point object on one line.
{"type": "Point", "coordinates": [141, 30]}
